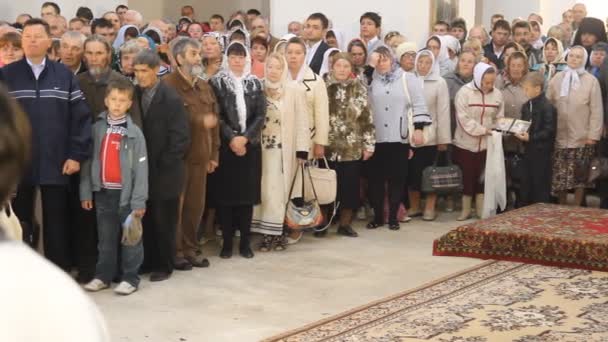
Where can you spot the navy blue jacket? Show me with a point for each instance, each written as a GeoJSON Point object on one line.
{"type": "Point", "coordinates": [58, 114]}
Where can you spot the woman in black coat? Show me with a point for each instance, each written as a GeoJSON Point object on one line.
{"type": "Point", "coordinates": [242, 111]}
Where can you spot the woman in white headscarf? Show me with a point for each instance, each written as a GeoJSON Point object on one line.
{"type": "Point", "coordinates": [242, 111]}
{"type": "Point", "coordinates": [327, 57]}
{"type": "Point", "coordinates": [553, 59]}
{"type": "Point", "coordinates": [577, 96]}
{"type": "Point", "coordinates": [316, 100]}
{"type": "Point", "coordinates": [478, 106]}
{"type": "Point", "coordinates": [213, 59]}
{"type": "Point", "coordinates": [335, 39]}
{"type": "Point", "coordinates": [123, 35]}
{"type": "Point", "coordinates": [453, 47]}
{"type": "Point", "coordinates": [285, 138]}
{"type": "Point", "coordinates": [391, 94]}
{"type": "Point", "coordinates": [437, 97]}
{"type": "Point", "coordinates": [438, 46]}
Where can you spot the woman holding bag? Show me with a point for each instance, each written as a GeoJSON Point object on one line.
{"type": "Point", "coordinates": [394, 95]}
{"type": "Point", "coordinates": [285, 138]}
{"type": "Point", "coordinates": [437, 99]}
{"type": "Point", "coordinates": [351, 135]}
{"type": "Point", "coordinates": [577, 96]}
{"type": "Point", "coordinates": [478, 105]}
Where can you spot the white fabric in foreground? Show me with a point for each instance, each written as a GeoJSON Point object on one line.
{"type": "Point", "coordinates": [40, 302]}
{"type": "Point", "coordinates": [495, 187]}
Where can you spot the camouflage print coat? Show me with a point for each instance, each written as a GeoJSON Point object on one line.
{"type": "Point", "coordinates": [350, 120]}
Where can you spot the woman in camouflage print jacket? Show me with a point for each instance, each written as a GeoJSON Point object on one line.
{"type": "Point", "coordinates": [351, 135]}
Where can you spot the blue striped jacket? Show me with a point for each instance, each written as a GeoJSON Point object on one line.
{"type": "Point", "coordinates": [59, 116]}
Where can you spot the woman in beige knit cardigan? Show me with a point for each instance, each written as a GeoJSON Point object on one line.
{"type": "Point", "coordinates": [437, 98]}
{"type": "Point", "coordinates": [577, 96]}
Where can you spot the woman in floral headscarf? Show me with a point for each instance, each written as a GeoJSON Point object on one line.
{"type": "Point", "coordinates": [285, 138]}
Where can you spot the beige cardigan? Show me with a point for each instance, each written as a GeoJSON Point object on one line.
{"type": "Point", "coordinates": [295, 133]}
{"type": "Point", "coordinates": [318, 107]}
{"type": "Point", "coordinates": [475, 113]}
{"type": "Point", "coordinates": [437, 97]}
{"type": "Point", "coordinates": [579, 115]}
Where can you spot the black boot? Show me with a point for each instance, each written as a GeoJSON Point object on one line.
{"type": "Point", "coordinates": [245, 245]}
{"type": "Point", "coordinates": [228, 235]}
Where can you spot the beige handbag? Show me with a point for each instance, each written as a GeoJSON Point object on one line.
{"type": "Point", "coordinates": [9, 222]}
{"type": "Point", "coordinates": [428, 132]}
{"type": "Point", "coordinates": [325, 181]}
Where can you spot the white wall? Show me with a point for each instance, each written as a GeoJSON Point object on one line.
{"type": "Point", "coordinates": [410, 17]}
{"type": "Point", "coordinates": [10, 9]}
{"type": "Point", "coordinates": [206, 8]}
{"type": "Point", "coordinates": [511, 9]}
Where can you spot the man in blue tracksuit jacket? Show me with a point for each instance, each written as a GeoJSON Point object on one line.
{"type": "Point", "coordinates": [61, 138]}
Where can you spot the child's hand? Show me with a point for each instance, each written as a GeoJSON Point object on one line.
{"type": "Point", "coordinates": [87, 205]}
{"type": "Point", "coordinates": [139, 212]}
{"type": "Point", "coordinates": [523, 136]}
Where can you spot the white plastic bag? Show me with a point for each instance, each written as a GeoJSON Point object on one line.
{"type": "Point", "coordinates": [495, 187]}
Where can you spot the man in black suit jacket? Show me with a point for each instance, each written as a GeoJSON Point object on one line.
{"type": "Point", "coordinates": [314, 33]}
{"type": "Point", "coordinates": [167, 132]}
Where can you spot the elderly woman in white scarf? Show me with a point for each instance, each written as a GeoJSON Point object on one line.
{"type": "Point", "coordinates": [478, 106]}
{"type": "Point", "coordinates": [437, 97]}
{"type": "Point", "coordinates": [242, 112]}
{"type": "Point", "coordinates": [285, 139]}
{"type": "Point", "coordinates": [392, 94]}
{"type": "Point", "coordinates": [577, 96]}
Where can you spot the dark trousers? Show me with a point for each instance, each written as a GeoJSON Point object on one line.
{"type": "Point", "coordinates": [536, 183]}
{"type": "Point", "coordinates": [54, 220]}
{"type": "Point", "coordinates": [388, 166]}
{"type": "Point", "coordinates": [83, 233]}
{"type": "Point", "coordinates": [238, 216]}
{"type": "Point", "coordinates": [473, 165]}
{"type": "Point", "coordinates": [159, 224]}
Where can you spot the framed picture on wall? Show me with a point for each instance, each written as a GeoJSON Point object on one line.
{"type": "Point", "coordinates": [446, 10]}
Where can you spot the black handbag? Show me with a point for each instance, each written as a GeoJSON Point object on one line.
{"type": "Point", "coordinates": [442, 179]}
{"type": "Point", "coordinates": [515, 168]}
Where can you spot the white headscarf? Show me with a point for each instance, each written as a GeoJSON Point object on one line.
{"type": "Point", "coordinates": [325, 65]}
{"type": "Point", "coordinates": [451, 43]}
{"type": "Point", "coordinates": [120, 37]}
{"type": "Point", "coordinates": [301, 73]}
{"type": "Point", "coordinates": [157, 30]}
{"type": "Point", "coordinates": [480, 70]}
{"type": "Point", "coordinates": [572, 76]}
{"type": "Point", "coordinates": [538, 44]}
{"type": "Point", "coordinates": [339, 38]}
{"type": "Point", "coordinates": [239, 90]}
{"type": "Point", "coordinates": [444, 64]}
{"type": "Point", "coordinates": [433, 74]}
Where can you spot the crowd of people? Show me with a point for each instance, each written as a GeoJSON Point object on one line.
{"type": "Point", "coordinates": [187, 126]}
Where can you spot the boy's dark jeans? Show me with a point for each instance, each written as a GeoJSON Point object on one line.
{"type": "Point", "coordinates": [110, 217]}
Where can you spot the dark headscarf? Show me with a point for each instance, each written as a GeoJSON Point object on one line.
{"type": "Point", "coordinates": [590, 25]}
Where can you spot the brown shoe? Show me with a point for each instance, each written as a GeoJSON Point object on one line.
{"type": "Point", "coordinates": [198, 261]}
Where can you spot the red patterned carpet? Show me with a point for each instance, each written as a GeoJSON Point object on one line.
{"type": "Point", "coordinates": [541, 234]}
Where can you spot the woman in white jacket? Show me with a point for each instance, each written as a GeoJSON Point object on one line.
{"type": "Point", "coordinates": [437, 97]}
{"type": "Point", "coordinates": [478, 105]}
